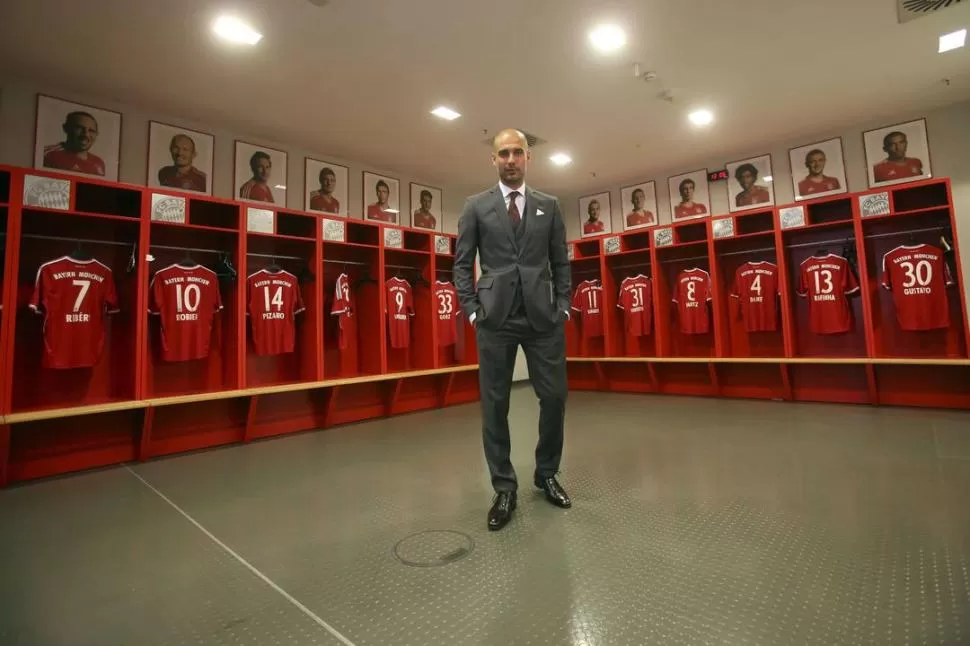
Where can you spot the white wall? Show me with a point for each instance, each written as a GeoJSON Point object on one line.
{"type": "Point", "coordinates": [949, 138]}
{"type": "Point", "coordinates": [17, 118]}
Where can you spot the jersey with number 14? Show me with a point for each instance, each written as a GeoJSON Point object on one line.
{"type": "Point", "coordinates": [446, 298]}
{"type": "Point", "coordinates": [826, 281]}
{"type": "Point", "coordinates": [917, 277]}
{"type": "Point", "coordinates": [274, 299]}
{"type": "Point", "coordinates": [400, 309]}
{"type": "Point", "coordinates": [185, 300]}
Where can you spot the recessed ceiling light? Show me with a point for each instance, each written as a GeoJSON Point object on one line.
{"type": "Point", "coordinates": [953, 40]}
{"type": "Point", "coordinates": [280, 186]}
{"type": "Point", "coordinates": [391, 211]}
{"type": "Point", "coordinates": [607, 38]}
{"type": "Point", "coordinates": [445, 113]}
{"type": "Point", "coordinates": [236, 31]}
{"type": "Point", "coordinates": [701, 117]}
{"type": "Point", "coordinates": [561, 159]}
{"type": "Point", "coordinates": [768, 178]}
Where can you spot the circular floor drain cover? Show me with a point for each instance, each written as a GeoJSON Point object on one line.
{"type": "Point", "coordinates": [433, 548]}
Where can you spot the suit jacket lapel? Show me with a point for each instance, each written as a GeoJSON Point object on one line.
{"type": "Point", "coordinates": [503, 215]}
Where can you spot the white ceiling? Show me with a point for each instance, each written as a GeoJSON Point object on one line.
{"type": "Point", "coordinates": [357, 78]}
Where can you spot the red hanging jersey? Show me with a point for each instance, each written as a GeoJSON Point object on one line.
{"type": "Point", "coordinates": [274, 299]}
{"type": "Point", "coordinates": [917, 276]}
{"type": "Point", "coordinates": [446, 298]}
{"type": "Point", "coordinates": [756, 288]}
{"type": "Point", "coordinates": [74, 296]}
{"type": "Point", "coordinates": [186, 299]}
{"type": "Point", "coordinates": [635, 297]}
{"type": "Point", "coordinates": [343, 306]}
{"type": "Point", "coordinates": [400, 309]}
{"type": "Point", "coordinates": [691, 294]}
{"type": "Point", "coordinates": [826, 281]}
{"type": "Point", "coordinates": [588, 301]}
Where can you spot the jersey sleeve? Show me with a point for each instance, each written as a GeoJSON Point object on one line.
{"type": "Point", "coordinates": [736, 287]}
{"type": "Point", "coordinates": [339, 302]}
{"type": "Point", "coordinates": [887, 277]}
{"type": "Point", "coordinates": [155, 296]}
{"type": "Point", "coordinates": [621, 299]}
{"type": "Point", "coordinates": [577, 304]}
{"type": "Point", "coordinates": [40, 285]}
{"type": "Point", "coordinates": [709, 285]}
{"type": "Point", "coordinates": [298, 305]}
{"type": "Point", "coordinates": [409, 301]}
{"type": "Point", "coordinates": [947, 274]}
{"type": "Point", "coordinates": [110, 294]}
{"type": "Point", "coordinates": [849, 282]}
{"type": "Point", "coordinates": [802, 283]}
{"type": "Point", "coordinates": [216, 297]}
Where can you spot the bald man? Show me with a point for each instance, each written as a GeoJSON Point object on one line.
{"type": "Point", "coordinates": [182, 173]}
{"type": "Point", "coordinates": [521, 298]}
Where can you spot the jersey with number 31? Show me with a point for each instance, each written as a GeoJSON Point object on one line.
{"type": "Point", "coordinates": [446, 300]}
{"type": "Point", "coordinates": [274, 299]}
{"type": "Point", "coordinates": [185, 299]}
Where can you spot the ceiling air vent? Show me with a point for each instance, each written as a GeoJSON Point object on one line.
{"type": "Point", "coordinates": [531, 138]}
{"type": "Point", "coordinates": [913, 9]}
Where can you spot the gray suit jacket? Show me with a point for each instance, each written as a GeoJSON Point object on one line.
{"type": "Point", "coordinates": [535, 254]}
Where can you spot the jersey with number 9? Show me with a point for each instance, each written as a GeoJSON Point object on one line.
{"type": "Point", "coordinates": [74, 296]}
{"type": "Point", "coordinates": [185, 300]}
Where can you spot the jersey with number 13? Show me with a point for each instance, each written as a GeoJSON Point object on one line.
{"type": "Point", "coordinates": [826, 281]}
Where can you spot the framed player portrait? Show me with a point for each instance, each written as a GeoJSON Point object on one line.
{"type": "Point", "coordinates": [77, 139]}
{"type": "Point", "coordinates": [179, 158]}
{"type": "Point", "coordinates": [260, 174]}
{"type": "Point", "coordinates": [382, 198]}
{"type": "Point", "coordinates": [639, 205]}
{"type": "Point", "coordinates": [327, 187]}
{"type": "Point", "coordinates": [818, 169]}
{"type": "Point", "coordinates": [426, 207]}
{"type": "Point", "coordinates": [595, 214]}
{"type": "Point", "coordinates": [690, 196]}
{"type": "Point", "coordinates": [897, 154]}
{"type": "Point", "coordinates": [750, 184]}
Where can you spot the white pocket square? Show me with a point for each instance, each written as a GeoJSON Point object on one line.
{"type": "Point", "coordinates": [540, 212]}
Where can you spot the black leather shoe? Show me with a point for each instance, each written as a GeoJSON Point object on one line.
{"type": "Point", "coordinates": [554, 491]}
{"type": "Point", "coordinates": [501, 512]}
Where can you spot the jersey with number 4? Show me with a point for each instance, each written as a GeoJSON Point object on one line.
{"type": "Point", "coordinates": [692, 292]}
{"type": "Point", "coordinates": [756, 288]}
{"type": "Point", "coordinates": [826, 281]}
{"type": "Point", "coordinates": [446, 300]}
{"type": "Point", "coordinates": [635, 296]}
{"type": "Point", "coordinates": [185, 300]}
{"type": "Point", "coordinates": [917, 276]}
{"type": "Point", "coordinates": [274, 300]}
{"type": "Point", "coordinates": [400, 309]}
{"type": "Point", "coordinates": [74, 296]}
{"type": "Point", "coordinates": [588, 301]}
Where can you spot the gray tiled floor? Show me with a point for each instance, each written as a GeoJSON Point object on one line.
{"type": "Point", "coordinates": [695, 521]}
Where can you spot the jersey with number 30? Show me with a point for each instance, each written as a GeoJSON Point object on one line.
{"type": "Point", "coordinates": [74, 296]}
{"type": "Point", "coordinates": [274, 299]}
{"type": "Point", "coordinates": [400, 309]}
{"type": "Point", "coordinates": [185, 299]}
{"type": "Point", "coordinates": [446, 300]}
{"type": "Point", "coordinates": [917, 277]}
{"type": "Point", "coordinates": [691, 293]}
{"type": "Point", "coordinates": [826, 281]}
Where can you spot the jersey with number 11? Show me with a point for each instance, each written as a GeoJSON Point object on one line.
{"type": "Point", "coordinates": [588, 301]}
{"type": "Point", "coordinates": [274, 299]}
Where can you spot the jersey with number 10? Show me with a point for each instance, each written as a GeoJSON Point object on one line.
{"type": "Point", "coordinates": [185, 300]}
{"type": "Point", "coordinates": [446, 300]}
{"type": "Point", "coordinates": [635, 296]}
{"type": "Point", "coordinates": [274, 299]}
{"type": "Point", "coordinates": [691, 294]}
{"type": "Point", "coordinates": [588, 301]}
{"type": "Point", "coordinates": [756, 288]}
{"type": "Point", "coordinates": [400, 309]}
{"type": "Point", "coordinates": [74, 296]}
{"type": "Point", "coordinates": [826, 281]}
{"type": "Point", "coordinates": [917, 277]}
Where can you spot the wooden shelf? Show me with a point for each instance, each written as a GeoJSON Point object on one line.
{"type": "Point", "coordinates": [778, 360]}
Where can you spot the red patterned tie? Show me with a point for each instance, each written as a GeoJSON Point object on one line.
{"type": "Point", "coordinates": [514, 214]}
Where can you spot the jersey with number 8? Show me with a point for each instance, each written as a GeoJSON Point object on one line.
{"type": "Point", "coordinates": [185, 299]}
{"type": "Point", "coordinates": [73, 296]}
{"type": "Point", "coordinates": [917, 276]}
{"type": "Point", "coordinates": [446, 301]}
{"type": "Point", "coordinates": [274, 299]}
{"type": "Point", "coordinates": [691, 293]}
{"type": "Point", "coordinates": [826, 281]}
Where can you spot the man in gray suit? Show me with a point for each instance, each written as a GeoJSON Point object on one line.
{"type": "Point", "coordinates": [522, 298]}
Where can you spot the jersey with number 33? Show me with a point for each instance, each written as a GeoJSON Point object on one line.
{"type": "Point", "coordinates": [446, 300]}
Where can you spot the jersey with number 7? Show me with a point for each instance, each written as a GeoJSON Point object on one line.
{"type": "Point", "coordinates": [185, 298]}
{"type": "Point", "coordinates": [826, 281]}
{"type": "Point", "coordinates": [274, 298]}
{"type": "Point", "coordinates": [74, 296]}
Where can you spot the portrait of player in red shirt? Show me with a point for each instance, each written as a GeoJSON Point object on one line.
{"type": "Point", "coordinates": [751, 193]}
{"type": "Point", "coordinates": [257, 188]}
{"type": "Point", "coordinates": [182, 174]}
{"type": "Point", "coordinates": [381, 209]}
{"type": "Point", "coordinates": [322, 199]}
{"type": "Point", "coordinates": [817, 181]}
{"type": "Point", "coordinates": [423, 218]}
{"type": "Point", "coordinates": [688, 208]}
{"type": "Point", "coordinates": [74, 153]}
{"type": "Point", "coordinates": [639, 216]}
{"type": "Point", "coordinates": [896, 165]}
{"type": "Point", "coordinates": [593, 224]}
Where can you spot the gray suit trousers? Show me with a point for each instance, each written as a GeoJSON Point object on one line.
{"type": "Point", "coordinates": [545, 353]}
